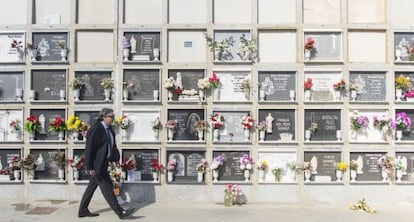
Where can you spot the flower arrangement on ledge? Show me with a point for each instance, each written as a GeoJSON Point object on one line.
{"type": "Point", "coordinates": [203, 83]}
{"type": "Point", "coordinates": [247, 48]}
{"type": "Point", "coordinates": [308, 84]}
{"type": "Point", "coordinates": [171, 124]}
{"type": "Point", "coordinates": [32, 124]}
{"type": "Point", "coordinates": [156, 166]}
{"type": "Point", "coordinates": [402, 82]}
{"type": "Point", "coordinates": [247, 121]}
{"type": "Point", "coordinates": [382, 123]}
{"type": "Point", "coordinates": [339, 86]}
{"type": "Point", "coordinates": [313, 128]}
{"type": "Point", "coordinates": [359, 121]}
{"type": "Point", "coordinates": [77, 83]}
{"type": "Point", "coordinates": [127, 86]}
{"type": "Point", "coordinates": [402, 121]}
{"type": "Point", "coordinates": [58, 124]}
{"type": "Point", "coordinates": [171, 165]}
{"type": "Point", "coordinates": [305, 166]}
{"type": "Point", "coordinates": [277, 171]}
{"type": "Point", "coordinates": [409, 94]}
{"type": "Point", "coordinates": [169, 83]}
{"type": "Point", "coordinates": [126, 44]}
{"type": "Point", "coordinates": [246, 162]}
{"type": "Point", "coordinates": [202, 166]}
{"type": "Point", "coordinates": [58, 158]}
{"type": "Point", "coordinates": [15, 125]}
{"type": "Point", "coordinates": [214, 81]}
{"type": "Point", "coordinates": [217, 120]}
{"type": "Point", "coordinates": [75, 124]}
{"type": "Point", "coordinates": [353, 165]}
{"type": "Point", "coordinates": [15, 163]}
{"type": "Point", "coordinates": [128, 164]}
{"type": "Point", "coordinates": [245, 86]}
{"type": "Point", "coordinates": [309, 43]}
{"type": "Point", "coordinates": [261, 126]}
{"type": "Point", "coordinates": [77, 162]}
{"type": "Point", "coordinates": [221, 48]}
{"type": "Point", "coordinates": [201, 125]}
{"type": "Point", "coordinates": [123, 122]}
{"type": "Point", "coordinates": [156, 124]}
{"type": "Point", "coordinates": [232, 191]}
{"type": "Point", "coordinates": [28, 163]}
{"type": "Point", "coordinates": [217, 162]}
{"type": "Point", "coordinates": [16, 44]}
{"type": "Point", "coordinates": [263, 165]}
{"type": "Point", "coordinates": [386, 163]}
{"type": "Point", "coordinates": [341, 166]}
{"type": "Point", "coordinates": [107, 83]}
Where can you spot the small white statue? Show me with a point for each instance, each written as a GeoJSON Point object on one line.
{"type": "Point", "coordinates": [360, 163]}
{"type": "Point", "coordinates": [40, 163]}
{"type": "Point", "coordinates": [133, 45]}
{"type": "Point", "coordinates": [42, 121]}
{"type": "Point", "coordinates": [269, 121]}
{"type": "Point", "coordinates": [314, 164]}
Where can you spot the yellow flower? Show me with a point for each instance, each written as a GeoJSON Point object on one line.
{"type": "Point", "coordinates": [402, 82]}
{"type": "Point", "coordinates": [341, 166]}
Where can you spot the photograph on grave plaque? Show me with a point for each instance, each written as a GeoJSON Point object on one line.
{"type": "Point", "coordinates": [233, 46]}
{"type": "Point", "coordinates": [279, 161]}
{"type": "Point", "coordinates": [322, 85]}
{"type": "Point", "coordinates": [83, 172]}
{"type": "Point", "coordinates": [187, 81]}
{"type": "Point", "coordinates": [49, 84]}
{"type": "Point", "coordinates": [403, 47]}
{"type": "Point", "coordinates": [11, 87]}
{"type": "Point", "coordinates": [323, 165]}
{"type": "Point", "coordinates": [232, 130]}
{"type": "Point", "coordinates": [45, 116]}
{"type": "Point", "coordinates": [405, 163]}
{"type": "Point", "coordinates": [6, 157]}
{"type": "Point", "coordinates": [12, 47]}
{"type": "Point", "coordinates": [322, 124]}
{"type": "Point", "coordinates": [46, 169]}
{"type": "Point", "coordinates": [368, 169]}
{"type": "Point", "coordinates": [370, 86]}
{"type": "Point", "coordinates": [372, 131]}
{"type": "Point", "coordinates": [142, 84]}
{"type": "Point", "coordinates": [408, 133]}
{"type": "Point", "coordinates": [49, 46]}
{"type": "Point", "coordinates": [234, 86]}
{"type": "Point", "coordinates": [186, 119]}
{"type": "Point", "coordinates": [230, 170]}
{"type": "Point", "coordinates": [92, 89]}
{"type": "Point", "coordinates": [185, 169]}
{"type": "Point", "coordinates": [280, 124]}
{"type": "Point", "coordinates": [327, 46]}
{"type": "Point", "coordinates": [145, 46]}
{"type": "Point", "coordinates": [277, 86]}
{"type": "Point", "coordinates": [141, 127]}
{"type": "Point", "coordinates": [143, 159]}
{"type": "Point", "coordinates": [11, 125]}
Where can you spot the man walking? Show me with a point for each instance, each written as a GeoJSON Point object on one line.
{"type": "Point", "coordinates": [100, 149]}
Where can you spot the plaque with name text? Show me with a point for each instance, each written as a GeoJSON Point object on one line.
{"type": "Point", "coordinates": [83, 173]}
{"type": "Point", "coordinates": [187, 80]}
{"type": "Point", "coordinates": [278, 86]}
{"type": "Point", "coordinates": [143, 83]}
{"type": "Point", "coordinates": [323, 164]}
{"type": "Point", "coordinates": [92, 89]}
{"type": "Point", "coordinates": [368, 169]}
{"type": "Point", "coordinates": [47, 45]}
{"type": "Point", "coordinates": [328, 120]}
{"type": "Point", "coordinates": [232, 131]}
{"type": "Point", "coordinates": [322, 85]}
{"type": "Point", "coordinates": [143, 159]}
{"type": "Point", "coordinates": [145, 46]}
{"type": "Point", "coordinates": [281, 124]}
{"type": "Point", "coordinates": [230, 89]}
{"type": "Point", "coordinates": [407, 160]}
{"type": "Point", "coordinates": [408, 134]}
{"type": "Point", "coordinates": [230, 170]}
{"type": "Point", "coordinates": [12, 47]}
{"type": "Point", "coordinates": [11, 84]}
{"type": "Point", "coordinates": [45, 116]}
{"type": "Point", "coordinates": [45, 168]}
{"type": "Point", "coordinates": [186, 167]}
{"type": "Point", "coordinates": [6, 156]}
{"type": "Point", "coordinates": [7, 133]}
{"type": "Point", "coordinates": [327, 46]}
{"type": "Point", "coordinates": [370, 86]}
{"type": "Point", "coordinates": [48, 83]}
{"type": "Point", "coordinates": [186, 119]}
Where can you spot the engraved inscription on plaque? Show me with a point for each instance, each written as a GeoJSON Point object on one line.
{"type": "Point", "coordinates": [231, 166]}
{"type": "Point", "coordinates": [370, 86]}
{"type": "Point", "coordinates": [328, 122]}
{"type": "Point", "coordinates": [143, 159]}
{"type": "Point", "coordinates": [143, 82]}
{"type": "Point", "coordinates": [186, 167]}
{"type": "Point", "coordinates": [48, 83]}
{"type": "Point", "coordinates": [368, 165]}
{"type": "Point", "coordinates": [92, 89]}
{"type": "Point", "coordinates": [47, 44]}
{"type": "Point", "coordinates": [277, 85]}
{"type": "Point", "coordinates": [186, 119]}
{"type": "Point", "coordinates": [45, 116]}
{"type": "Point", "coordinates": [325, 166]}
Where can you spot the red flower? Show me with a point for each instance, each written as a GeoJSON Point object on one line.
{"type": "Point", "coordinates": [214, 81]}
{"type": "Point", "coordinates": [308, 84]}
{"type": "Point", "coordinates": [309, 43]}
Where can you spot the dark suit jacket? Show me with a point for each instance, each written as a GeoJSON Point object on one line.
{"type": "Point", "coordinates": [97, 147]}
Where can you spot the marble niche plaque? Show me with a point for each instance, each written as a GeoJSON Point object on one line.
{"type": "Point", "coordinates": [371, 86]}
{"type": "Point", "coordinates": [9, 53]}
{"type": "Point", "coordinates": [145, 46]}
{"type": "Point", "coordinates": [45, 168]}
{"type": "Point", "coordinates": [408, 134]}
{"type": "Point", "coordinates": [47, 44]}
{"type": "Point", "coordinates": [186, 119]}
{"type": "Point", "coordinates": [143, 159]}
{"type": "Point", "coordinates": [232, 131]}
{"type": "Point", "coordinates": [277, 86]}
{"type": "Point", "coordinates": [322, 89]}
{"type": "Point", "coordinates": [187, 80]}
{"type": "Point", "coordinates": [83, 173]}
{"type": "Point", "coordinates": [230, 170]}
{"type": "Point", "coordinates": [232, 54]}
{"type": "Point", "coordinates": [327, 46]}
{"type": "Point", "coordinates": [6, 132]}
{"type": "Point", "coordinates": [92, 89]}
{"type": "Point", "coordinates": [278, 160]}
{"type": "Point", "coordinates": [6, 156]}
{"type": "Point", "coordinates": [281, 122]}
{"type": "Point", "coordinates": [230, 86]}
{"type": "Point", "coordinates": [186, 168]}
{"type": "Point", "coordinates": [403, 41]}
{"type": "Point", "coordinates": [10, 84]}
{"type": "Point", "coordinates": [144, 82]}
{"type": "Point", "coordinates": [48, 84]}
{"type": "Point", "coordinates": [368, 169]}
{"type": "Point", "coordinates": [323, 164]}
{"type": "Point", "coordinates": [141, 128]}
{"type": "Point", "coordinates": [45, 116]}
{"type": "Point", "coordinates": [328, 120]}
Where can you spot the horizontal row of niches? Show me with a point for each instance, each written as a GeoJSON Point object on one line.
{"type": "Point", "coordinates": [221, 126]}
{"type": "Point", "coordinates": [156, 12]}
{"type": "Point", "coordinates": [194, 86]}
{"type": "Point", "coordinates": [227, 46]}
{"type": "Point", "coordinates": [193, 166]}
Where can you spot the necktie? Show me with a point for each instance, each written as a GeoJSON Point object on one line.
{"type": "Point", "coordinates": [110, 143]}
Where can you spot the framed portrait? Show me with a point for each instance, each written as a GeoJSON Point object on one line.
{"type": "Point", "coordinates": [186, 119]}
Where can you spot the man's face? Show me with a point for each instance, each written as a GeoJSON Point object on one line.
{"type": "Point", "coordinates": [109, 118]}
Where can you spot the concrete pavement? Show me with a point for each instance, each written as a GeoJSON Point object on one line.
{"type": "Point", "coordinates": [204, 212]}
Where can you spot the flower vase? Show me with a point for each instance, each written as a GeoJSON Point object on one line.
{"type": "Point", "coordinates": [384, 175]}
{"type": "Point", "coordinates": [170, 95]}
{"type": "Point", "coordinates": [262, 135]}
{"type": "Point", "coordinates": [398, 54]}
{"type": "Point", "coordinates": [353, 176]}
{"type": "Point", "coordinates": [307, 135]}
{"type": "Point", "coordinates": [307, 176]}
{"type": "Point", "coordinates": [75, 136]}
{"type": "Point", "coordinates": [215, 135]}
{"type": "Point", "coordinates": [215, 175]}
{"type": "Point", "coordinates": [307, 95]}
{"type": "Point", "coordinates": [353, 95]}
{"type": "Point", "coordinates": [170, 133]}
{"type": "Point", "coordinates": [307, 55]}
{"type": "Point", "coordinates": [32, 95]}
{"type": "Point", "coordinates": [17, 175]}
{"type": "Point", "coordinates": [76, 175]}
{"type": "Point", "coordinates": [156, 134]}
{"type": "Point", "coordinates": [124, 134]}
{"type": "Point", "coordinates": [200, 177]}
{"type": "Point", "coordinates": [62, 95]}
{"type": "Point", "coordinates": [63, 54]}
{"type": "Point", "coordinates": [19, 94]}
{"type": "Point", "coordinates": [338, 135]}
{"type": "Point", "coordinates": [292, 95]}
{"type": "Point", "coordinates": [246, 135]}
{"type": "Point", "coordinates": [216, 94]}
{"type": "Point", "coordinates": [17, 134]}
{"type": "Point", "coordinates": [217, 55]}
{"type": "Point", "coordinates": [170, 176]}
{"type": "Point", "coordinates": [339, 176]}
{"type": "Point", "coordinates": [354, 135]}
{"type": "Point", "coordinates": [61, 175]}
{"type": "Point", "coordinates": [61, 135]}
{"type": "Point", "coordinates": [201, 94]}
{"type": "Point", "coordinates": [107, 93]}
{"type": "Point", "coordinates": [76, 94]}
{"type": "Point", "coordinates": [262, 176]}
{"type": "Point", "coordinates": [398, 95]}
{"type": "Point", "coordinates": [399, 174]}
{"type": "Point", "coordinates": [32, 136]}
{"type": "Point", "coordinates": [155, 95]}
{"type": "Point", "coordinates": [131, 175]}
{"type": "Point", "coordinates": [228, 200]}
{"type": "Point", "coordinates": [337, 95]}
{"type": "Point", "coordinates": [246, 176]}
{"type": "Point", "coordinates": [200, 134]}
{"type": "Point", "coordinates": [126, 54]}
{"type": "Point", "coordinates": [399, 135]}
{"type": "Point", "coordinates": [156, 54]}
{"type": "Point", "coordinates": [125, 95]}
{"type": "Point", "coordinates": [33, 55]}
{"type": "Point", "coordinates": [155, 176]}
{"type": "Point", "coordinates": [31, 174]}
{"type": "Point", "coordinates": [261, 95]}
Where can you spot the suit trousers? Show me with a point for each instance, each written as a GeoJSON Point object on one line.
{"type": "Point", "coordinates": [105, 184]}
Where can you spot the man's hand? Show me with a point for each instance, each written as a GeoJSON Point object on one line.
{"type": "Point", "coordinates": [92, 173]}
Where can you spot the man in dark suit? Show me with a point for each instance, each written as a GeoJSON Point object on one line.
{"type": "Point", "coordinates": [100, 149]}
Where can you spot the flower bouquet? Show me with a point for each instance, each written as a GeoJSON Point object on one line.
{"type": "Point", "coordinates": [171, 165]}
{"type": "Point", "coordinates": [77, 83]}
{"type": "Point", "coordinates": [359, 121]}
{"type": "Point", "coordinates": [263, 165]}
{"type": "Point", "coordinates": [341, 166]}
{"type": "Point", "coordinates": [403, 83]}
{"type": "Point", "coordinates": [409, 95]}
{"type": "Point", "coordinates": [156, 124]}
{"type": "Point", "coordinates": [214, 81]}
{"type": "Point", "coordinates": [231, 192]}
{"type": "Point", "coordinates": [77, 162]}
{"type": "Point", "coordinates": [201, 125]}
{"type": "Point", "coordinates": [169, 83]}
{"type": "Point", "coordinates": [126, 44]}
{"type": "Point", "coordinates": [58, 124]}
{"type": "Point", "coordinates": [308, 84]}
{"type": "Point", "coordinates": [58, 158]}
{"type": "Point", "coordinates": [305, 166]}
{"type": "Point", "coordinates": [245, 86]}
{"type": "Point", "coordinates": [203, 83]}
{"type": "Point", "coordinates": [107, 83]}
{"type": "Point", "coordinates": [277, 171]}
{"type": "Point", "coordinates": [221, 48]}
{"type": "Point", "coordinates": [156, 166]}
{"type": "Point", "coordinates": [402, 121]}
{"type": "Point", "coordinates": [309, 43]}
{"type": "Point", "coordinates": [15, 125]}
{"type": "Point", "coordinates": [202, 166]}
{"type": "Point", "coordinates": [32, 124]}
{"type": "Point", "coordinates": [217, 162]}
{"type": "Point", "coordinates": [28, 163]}
{"type": "Point", "coordinates": [171, 124]}
{"type": "Point", "coordinates": [217, 120]}
{"type": "Point", "coordinates": [123, 122]}
{"type": "Point", "coordinates": [339, 86]}
{"type": "Point", "coordinates": [382, 123]}
{"type": "Point", "coordinates": [247, 121]}
{"type": "Point", "coordinates": [128, 164]}
{"type": "Point", "coordinates": [353, 165]}
{"type": "Point", "coordinates": [261, 126]}
{"type": "Point", "coordinates": [246, 162]}
{"type": "Point", "coordinates": [313, 128]}
{"type": "Point", "coordinates": [75, 124]}
{"type": "Point", "coordinates": [127, 86]}
{"type": "Point", "coordinates": [247, 48]}
{"type": "Point", "coordinates": [15, 163]}
{"type": "Point", "coordinates": [386, 163]}
{"type": "Point", "coordinates": [115, 173]}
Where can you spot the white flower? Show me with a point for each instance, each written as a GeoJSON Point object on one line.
{"type": "Point", "coordinates": [203, 83]}
{"type": "Point", "coordinates": [169, 83]}
{"type": "Point", "coordinates": [191, 92]}
{"type": "Point", "coordinates": [46, 89]}
{"type": "Point", "coordinates": [242, 166]}
{"type": "Point", "coordinates": [214, 166]}
{"type": "Point", "coordinates": [249, 166]}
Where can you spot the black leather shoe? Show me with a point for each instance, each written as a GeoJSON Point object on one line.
{"type": "Point", "coordinates": [126, 213]}
{"type": "Point", "coordinates": [88, 214]}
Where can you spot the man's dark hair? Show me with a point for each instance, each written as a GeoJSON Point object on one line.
{"type": "Point", "coordinates": [104, 112]}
